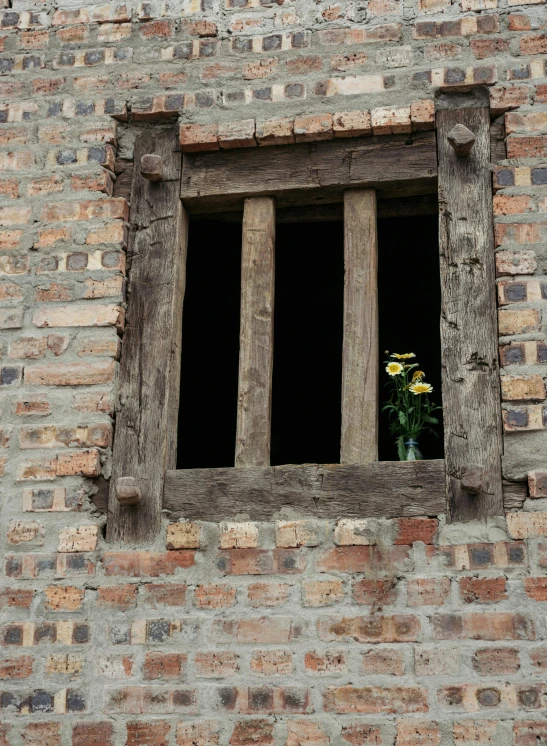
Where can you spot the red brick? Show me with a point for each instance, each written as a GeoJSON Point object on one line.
{"type": "Point", "coordinates": [153, 733]}
{"type": "Point", "coordinates": [518, 321]}
{"type": "Point", "coordinates": [512, 205]}
{"type": "Point", "coordinates": [495, 661]}
{"type": "Point", "coordinates": [214, 596]}
{"type": "Point", "coordinates": [84, 463]}
{"type": "Point", "coordinates": [164, 665]}
{"type": "Point", "coordinates": [530, 732]}
{"type": "Point", "coordinates": [16, 598]}
{"type": "Point", "coordinates": [151, 564]}
{"type": "Point", "coordinates": [268, 594]}
{"type": "Point", "coordinates": [362, 559]}
{"type": "Point", "coordinates": [196, 137]}
{"type": "Point", "coordinates": [118, 597]}
{"type": "Point", "coordinates": [322, 592]}
{"type": "Point", "coordinates": [165, 594]}
{"type": "Point", "coordinates": [483, 590]}
{"type": "Point", "coordinates": [534, 146]}
{"type": "Point", "coordinates": [269, 700]}
{"type": "Point", "coordinates": [4, 731]}
{"type": "Point", "coordinates": [375, 628]}
{"type": "Point", "coordinates": [538, 658]}
{"type": "Point", "coordinates": [375, 699]}
{"type": "Point", "coordinates": [198, 733]}
{"type": "Point", "coordinates": [305, 733]}
{"type": "Point", "coordinates": [386, 661]}
{"type": "Point", "coordinates": [16, 668]}
{"type": "Point", "coordinates": [537, 483]}
{"type": "Point", "coordinates": [362, 735]}
{"type": "Point", "coordinates": [71, 374]}
{"type": "Point", "coordinates": [252, 733]}
{"type": "Point", "coordinates": [262, 561]}
{"type": "Point", "coordinates": [103, 209]}
{"type": "Point", "coordinates": [312, 127]}
{"type": "Point", "coordinates": [427, 591]}
{"type": "Point", "coordinates": [536, 588]}
{"type": "Point", "coordinates": [267, 630]}
{"type": "Point", "coordinates": [42, 734]}
{"type": "Point", "coordinates": [92, 734]}
{"type": "Point", "coordinates": [410, 530]}
{"type": "Point", "coordinates": [475, 732]}
{"type": "Point", "coordinates": [418, 733]}
{"type": "Point", "coordinates": [216, 664]}
{"type": "Point", "coordinates": [486, 626]}
{"type": "Point", "coordinates": [63, 598]}
{"type": "Point", "coordinates": [376, 593]}
{"type": "Point", "coordinates": [325, 663]}
{"type": "Point", "coordinates": [271, 662]}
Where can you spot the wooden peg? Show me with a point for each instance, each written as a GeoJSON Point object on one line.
{"type": "Point", "coordinates": [472, 479]}
{"type": "Point", "coordinates": [152, 167]}
{"type": "Point", "coordinates": [462, 139]}
{"type": "Point", "coordinates": [127, 491]}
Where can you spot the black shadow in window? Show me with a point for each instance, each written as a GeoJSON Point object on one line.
{"type": "Point", "coordinates": [210, 346]}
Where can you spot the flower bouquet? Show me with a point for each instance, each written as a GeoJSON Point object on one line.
{"type": "Point", "coordinates": [409, 407]}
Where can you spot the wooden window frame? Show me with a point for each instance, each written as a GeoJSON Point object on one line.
{"type": "Point", "coordinates": [467, 483]}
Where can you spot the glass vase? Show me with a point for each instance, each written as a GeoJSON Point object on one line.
{"type": "Point", "coordinates": [412, 451]}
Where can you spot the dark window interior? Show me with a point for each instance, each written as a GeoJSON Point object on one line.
{"type": "Point", "coordinates": [210, 346]}
{"type": "Point", "coordinates": [307, 376]}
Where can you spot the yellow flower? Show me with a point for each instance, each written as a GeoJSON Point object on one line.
{"type": "Point", "coordinates": [418, 375]}
{"type": "Point", "coordinates": [421, 388]}
{"type": "Point", "coordinates": [394, 369]}
{"type": "Point", "coordinates": [404, 356]}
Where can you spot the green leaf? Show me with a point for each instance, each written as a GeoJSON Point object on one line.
{"type": "Point", "coordinates": [401, 448]}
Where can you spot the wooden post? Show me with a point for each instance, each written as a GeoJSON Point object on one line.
{"type": "Point", "coordinates": [469, 333]}
{"type": "Point", "coordinates": [145, 443]}
{"type": "Point", "coordinates": [360, 346]}
{"type": "Point", "coordinates": [256, 333]}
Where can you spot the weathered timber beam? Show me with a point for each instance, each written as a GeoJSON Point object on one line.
{"type": "Point", "coordinates": [359, 442]}
{"type": "Point", "coordinates": [254, 400]}
{"type": "Point", "coordinates": [382, 488]}
{"type": "Point", "coordinates": [149, 379]}
{"type": "Point", "coordinates": [387, 489]}
{"type": "Point", "coordinates": [469, 332]}
{"type": "Point", "coordinates": [309, 172]}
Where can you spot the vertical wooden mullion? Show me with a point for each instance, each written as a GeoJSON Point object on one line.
{"type": "Point", "coordinates": [256, 333]}
{"type": "Point", "coordinates": [359, 443]}
{"type": "Point", "coordinates": [145, 436]}
{"type": "Point", "coordinates": [469, 335]}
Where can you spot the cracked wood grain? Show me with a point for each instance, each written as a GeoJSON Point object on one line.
{"type": "Point", "coordinates": [309, 173]}
{"type": "Point", "coordinates": [470, 375]}
{"type": "Point", "coordinates": [381, 489]}
{"type": "Point", "coordinates": [149, 379]}
{"type": "Point", "coordinates": [254, 402]}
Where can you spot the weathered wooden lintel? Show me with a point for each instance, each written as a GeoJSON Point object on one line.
{"type": "Point", "coordinates": [310, 173]}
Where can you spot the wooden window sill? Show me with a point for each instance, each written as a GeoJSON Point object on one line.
{"type": "Point", "coordinates": [383, 489]}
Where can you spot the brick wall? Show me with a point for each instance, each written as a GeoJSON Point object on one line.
{"type": "Point", "coordinates": [387, 632]}
{"type": "Point", "coordinates": [300, 632]}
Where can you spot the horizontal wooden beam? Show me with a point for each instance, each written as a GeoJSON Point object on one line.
{"type": "Point", "coordinates": [388, 489]}
{"type": "Point", "coordinates": [381, 489]}
{"type": "Point", "coordinates": [310, 173]}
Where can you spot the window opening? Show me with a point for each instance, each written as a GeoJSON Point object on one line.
{"type": "Point", "coordinates": [210, 346]}
{"type": "Point", "coordinates": [409, 301]}
{"type": "Point", "coordinates": [308, 326]}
